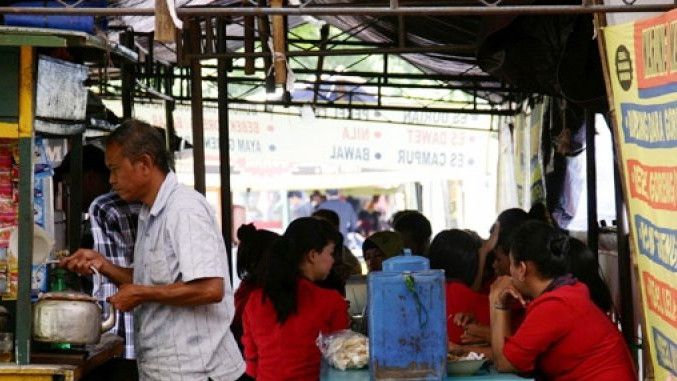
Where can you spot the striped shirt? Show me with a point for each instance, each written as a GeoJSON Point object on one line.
{"type": "Point", "coordinates": [179, 240]}
{"type": "Point", "coordinates": [113, 223]}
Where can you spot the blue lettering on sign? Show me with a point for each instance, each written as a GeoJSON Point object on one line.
{"type": "Point", "coordinates": [244, 145]}
{"type": "Point", "coordinates": [658, 244]}
{"type": "Point", "coordinates": [650, 126]}
{"type": "Point", "coordinates": [666, 351]}
{"type": "Point", "coordinates": [428, 158]}
{"type": "Point", "coordinates": [350, 153]}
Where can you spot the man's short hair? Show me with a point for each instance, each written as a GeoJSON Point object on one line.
{"type": "Point", "coordinates": [328, 215]}
{"type": "Point", "coordinates": [137, 138]}
{"type": "Point", "coordinates": [414, 223]}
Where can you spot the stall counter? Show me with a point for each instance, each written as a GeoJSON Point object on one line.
{"type": "Point", "coordinates": [332, 374]}
{"type": "Point", "coordinates": [46, 366]}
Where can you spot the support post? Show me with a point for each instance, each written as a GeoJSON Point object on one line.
{"type": "Point", "coordinates": [169, 108]}
{"type": "Point", "coordinates": [199, 172]}
{"type": "Point", "coordinates": [75, 192]}
{"type": "Point", "coordinates": [127, 77]}
{"type": "Point", "coordinates": [626, 308]}
{"type": "Point", "coordinates": [324, 35]}
{"type": "Point", "coordinates": [591, 172]}
{"type": "Point", "coordinates": [224, 149]}
{"type": "Point", "coordinates": [25, 254]}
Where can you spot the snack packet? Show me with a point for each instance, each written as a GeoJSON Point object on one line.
{"type": "Point", "coordinates": [344, 349]}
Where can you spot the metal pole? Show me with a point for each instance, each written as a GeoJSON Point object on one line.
{"type": "Point", "coordinates": [75, 189]}
{"type": "Point", "coordinates": [593, 227]}
{"type": "Point", "coordinates": [199, 171]}
{"type": "Point", "coordinates": [350, 10]}
{"type": "Point", "coordinates": [626, 308]}
{"type": "Point", "coordinates": [127, 77]}
{"type": "Point", "coordinates": [169, 108]}
{"type": "Point", "coordinates": [348, 52]}
{"type": "Point", "coordinates": [224, 149]}
{"type": "Point", "coordinates": [324, 34]}
{"type": "Point", "coordinates": [487, 111]}
{"type": "Point", "coordinates": [382, 74]}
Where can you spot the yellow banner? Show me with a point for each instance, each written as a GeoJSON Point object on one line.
{"type": "Point", "coordinates": [642, 61]}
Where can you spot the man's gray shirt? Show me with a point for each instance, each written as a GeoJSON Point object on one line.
{"type": "Point", "coordinates": [178, 240]}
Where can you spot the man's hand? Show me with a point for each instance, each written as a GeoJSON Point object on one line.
{"type": "Point", "coordinates": [82, 260]}
{"type": "Point", "coordinates": [127, 297]}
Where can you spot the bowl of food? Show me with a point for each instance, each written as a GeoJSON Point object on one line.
{"type": "Point", "coordinates": [464, 364]}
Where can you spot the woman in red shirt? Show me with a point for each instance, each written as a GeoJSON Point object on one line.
{"type": "Point", "coordinates": [455, 252]}
{"type": "Point", "coordinates": [283, 319]}
{"type": "Point", "coordinates": [253, 243]}
{"type": "Point", "coordinates": [564, 335]}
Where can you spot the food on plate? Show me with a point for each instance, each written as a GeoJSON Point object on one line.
{"type": "Point", "coordinates": [460, 355]}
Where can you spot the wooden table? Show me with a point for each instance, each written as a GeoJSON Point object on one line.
{"type": "Point", "coordinates": [70, 367]}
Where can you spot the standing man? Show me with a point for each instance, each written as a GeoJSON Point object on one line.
{"type": "Point", "coordinates": [112, 227]}
{"type": "Point", "coordinates": [345, 211]}
{"type": "Point", "coordinates": [182, 304]}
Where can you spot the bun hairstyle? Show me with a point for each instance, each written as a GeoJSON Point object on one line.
{"type": "Point", "coordinates": [559, 245]}
{"type": "Point", "coordinates": [281, 268]}
{"type": "Point", "coordinates": [254, 243]}
{"type": "Point", "coordinates": [543, 245]}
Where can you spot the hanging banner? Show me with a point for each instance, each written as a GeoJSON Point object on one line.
{"type": "Point", "coordinates": [267, 150]}
{"type": "Point", "coordinates": [643, 74]}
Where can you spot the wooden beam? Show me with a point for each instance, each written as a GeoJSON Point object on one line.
{"type": "Point", "coordinates": [279, 45]}
{"type": "Point", "coordinates": [264, 36]}
{"type": "Point", "coordinates": [165, 30]}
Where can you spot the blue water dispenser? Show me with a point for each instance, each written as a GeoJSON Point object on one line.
{"type": "Point", "coordinates": [407, 320]}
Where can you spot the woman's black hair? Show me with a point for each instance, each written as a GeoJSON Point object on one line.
{"type": "Point", "coordinates": [510, 220]}
{"type": "Point", "coordinates": [543, 245]}
{"type": "Point", "coordinates": [583, 265]}
{"type": "Point", "coordinates": [283, 261]}
{"type": "Point", "coordinates": [415, 229]}
{"type": "Point", "coordinates": [455, 252]}
{"type": "Point", "coordinates": [328, 215]}
{"type": "Point", "coordinates": [251, 249]}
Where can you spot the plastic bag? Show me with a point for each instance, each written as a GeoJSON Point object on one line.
{"type": "Point", "coordinates": [344, 349]}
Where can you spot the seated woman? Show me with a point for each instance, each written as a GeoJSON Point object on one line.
{"type": "Point", "coordinates": [379, 247]}
{"type": "Point", "coordinates": [455, 252]}
{"type": "Point", "coordinates": [253, 243]}
{"type": "Point", "coordinates": [564, 335]}
{"type": "Point", "coordinates": [584, 266]}
{"type": "Point", "coordinates": [283, 318]}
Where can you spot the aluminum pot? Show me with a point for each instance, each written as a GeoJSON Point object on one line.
{"type": "Point", "coordinates": [70, 317]}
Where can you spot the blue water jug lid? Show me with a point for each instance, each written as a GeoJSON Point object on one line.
{"type": "Point", "coordinates": [406, 262]}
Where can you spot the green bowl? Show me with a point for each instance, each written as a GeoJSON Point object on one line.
{"type": "Point", "coordinates": [464, 367]}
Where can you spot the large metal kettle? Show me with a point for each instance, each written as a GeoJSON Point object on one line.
{"type": "Point", "coordinates": [71, 317]}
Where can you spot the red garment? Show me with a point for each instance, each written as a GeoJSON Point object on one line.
{"type": "Point", "coordinates": [288, 351]}
{"type": "Point", "coordinates": [461, 298]}
{"type": "Point", "coordinates": [565, 336]}
{"type": "Point", "coordinates": [241, 296]}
